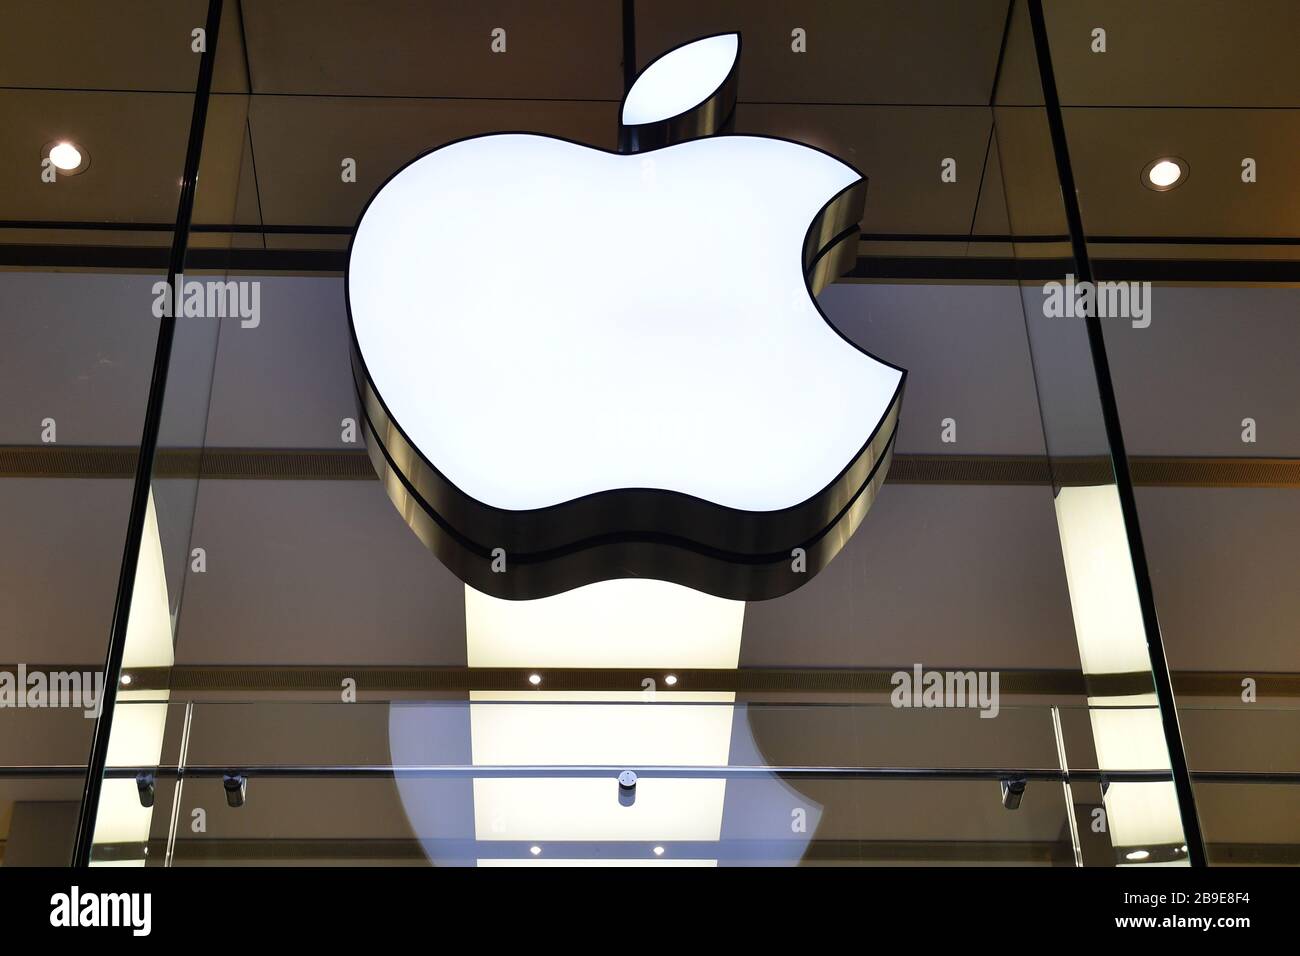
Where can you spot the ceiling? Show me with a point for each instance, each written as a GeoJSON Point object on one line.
{"type": "Point", "coordinates": [894, 87]}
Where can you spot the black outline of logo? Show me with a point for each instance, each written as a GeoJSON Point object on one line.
{"type": "Point", "coordinates": [640, 532]}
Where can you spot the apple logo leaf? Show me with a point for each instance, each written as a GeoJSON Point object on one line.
{"type": "Point", "coordinates": [688, 92]}
{"type": "Point", "coordinates": [637, 381]}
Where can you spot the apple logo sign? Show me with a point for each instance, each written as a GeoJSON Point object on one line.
{"type": "Point", "coordinates": [576, 365]}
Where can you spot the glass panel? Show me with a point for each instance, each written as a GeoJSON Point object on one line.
{"type": "Point", "coordinates": [966, 682]}
{"type": "Point", "coordinates": [1124, 730]}
{"type": "Point", "coordinates": [1204, 378]}
{"type": "Point", "coordinates": [86, 219]}
{"type": "Point", "coordinates": [197, 299]}
{"type": "Point", "coordinates": [490, 782]}
{"type": "Point", "coordinates": [457, 782]}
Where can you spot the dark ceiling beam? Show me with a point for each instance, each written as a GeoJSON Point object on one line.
{"type": "Point", "coordinates": [373, 681]}
{"type": "Point", "coordinates": [918, 268]}
{"type": "Point", "coordinates": [317, 464]}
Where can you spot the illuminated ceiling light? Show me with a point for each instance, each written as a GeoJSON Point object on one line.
{"type": "Point", "coordinates": [585, 810]}
{"type": "Point", "coordinates": [1126, 729]}
{"type": "Point", "coordinates": [1103, 595]}
{"type": "Point", "coordinates": [136, 740]}
{"type": "Point", "coordinates": [671, 680]}
{"type": "Point", "coordinates": [634, 623]}
{"type": "Point", "coordinates": [1143, 814]}
{"type": "Point", "coordinates": [1137, 855]}
{"type": "Point", "coordinates": [576, 728]}
{"type": "Point", "coordinates": [535, 850]}
{"type": "Point", "coordinates": [534, 679]}
{"type": "Point", "coordinates": [67, 157]}
{"type": "Point", "coordinates": [631, 622]}
{"type": "Point", "coordinates": [659, 851]}
{"type": "Point", "coordinates": [1164, 174]}
{"type": "Point", "coordinates": [1128, 738]}
{"type": "Point", "coordinates": [603, 861]}
{"type": "Point", "coordinates": [140, 720]}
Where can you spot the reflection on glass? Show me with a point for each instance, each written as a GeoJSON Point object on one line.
{"type": "Point", "coordinates": [1142, 818]}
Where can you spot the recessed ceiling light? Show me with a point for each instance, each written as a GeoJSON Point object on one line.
{"type": "Point", "coordinates": [670, 680]}
{"type": "Point", "coordinates": [1137, 855]}
{"type": "Point", "coordinates": [126, 678]}
{"type": "Point", "coordinates": [659, 851]}
{"type": "Point", "coordinates": [66, 156]}
{"type": "Point", "coordinates": [534, 679]}
{"type": "Point", "coordinates": [535, 850]}
{"type": "Point", "coordinates": [1164, 173]}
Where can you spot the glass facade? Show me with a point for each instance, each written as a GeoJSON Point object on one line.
{"type": "Point", "coordinates": [1061, 636]}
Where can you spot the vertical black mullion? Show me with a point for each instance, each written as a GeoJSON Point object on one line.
{"type": "Point", "coordinates": [148, 448]}
{"type": "Point", "coordinates": [629, 44]}
{"type": "Point", "coordinates": [1119, 457]}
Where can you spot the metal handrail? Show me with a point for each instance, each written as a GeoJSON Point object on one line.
{"type": "Point", "coordinates": [464, 771]}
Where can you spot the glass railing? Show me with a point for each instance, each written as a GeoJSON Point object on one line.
{"type": "Point", "coordinates": [532, 778]}
{"type": "Point", "coordinates": [537, 779]}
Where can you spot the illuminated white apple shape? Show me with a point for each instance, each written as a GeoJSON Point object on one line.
{"type": "Point", "coordinates": [544, 321]}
